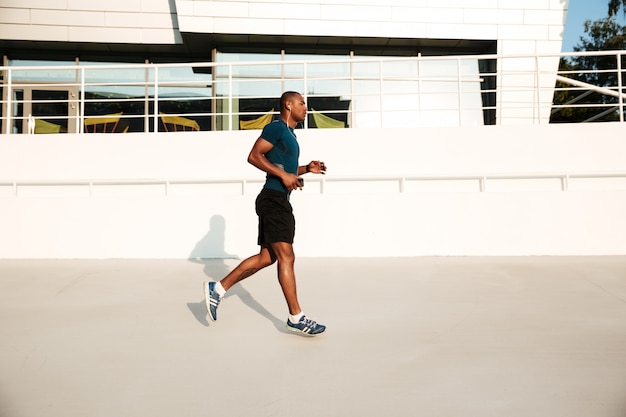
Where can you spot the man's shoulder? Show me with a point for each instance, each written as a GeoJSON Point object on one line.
{"type": "Point", "coordinates": [272, 131]}
{"type": "Point", "coordinates": [274, 125]}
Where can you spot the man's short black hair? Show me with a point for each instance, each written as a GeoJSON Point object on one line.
{"type": "Point", "coordinates": [286, 97]}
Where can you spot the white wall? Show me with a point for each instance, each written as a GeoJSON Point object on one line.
{"type": "Point", "coordinates": [349, 218]}
{"type": "Point", "coordinates": [538, 21]}
{"type": "Point", "coordinates": [533, 26]}
{"type": "Point", "coordinates": [111, 21]}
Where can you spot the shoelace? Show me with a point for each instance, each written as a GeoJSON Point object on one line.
{"type": "Point", "coordinates": [310, 323]}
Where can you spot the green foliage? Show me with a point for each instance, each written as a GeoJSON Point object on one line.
{"type": "Point", "coordinates": [615, 6]}
{"type": "Point", "coordinates": [601, 35]}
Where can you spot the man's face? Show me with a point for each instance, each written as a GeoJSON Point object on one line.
{"type": "Point", "coordinates": [298, 109]}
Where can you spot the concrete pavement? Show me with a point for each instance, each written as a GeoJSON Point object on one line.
{"type": "Point", "coordinates": [436, 337]}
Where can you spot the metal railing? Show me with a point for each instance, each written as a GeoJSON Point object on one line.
{"type": "Point", "coordinates": [479, 183]}
{"type": "Point", "coordinates": [347, 92]}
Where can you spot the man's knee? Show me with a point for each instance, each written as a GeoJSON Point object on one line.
{"type": "Point", "coordinates": [267, 256]}
{"type": "Point", "coordinates": [283, 252]}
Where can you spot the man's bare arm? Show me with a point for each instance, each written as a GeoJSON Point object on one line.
{"type": "Point", "coordinates": [257, 158]}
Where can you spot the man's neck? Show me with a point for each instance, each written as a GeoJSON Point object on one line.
{"type": "Point", "coordinates": [288, 121]}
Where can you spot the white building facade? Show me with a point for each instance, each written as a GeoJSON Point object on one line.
{"type": "Point", "coordinates": [446, 27]}
{"type": "Point", "coordinates": [417, 172]}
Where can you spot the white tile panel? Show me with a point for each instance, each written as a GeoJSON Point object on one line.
{"type": "Point", "coordinates": [257, 26]}
{"type": "Point", "coordinates": [184, 8]}
{"type": "Point", "coordinates": [196, 24]}
{"type": "Point", "coordinates": [108, 5]}
{"type": "Point", "coordinates": [222, 9]}
{"type": "Point", "coordinates": [134, 20]}
{"type": "Point", "coordinates": [523, 32]}
{"type": "Point", "coordinates": [438, 15]}
{"type": "Point", "coordinates": [456, 4]}
{"type": "Point", "coordinates": [123, 19]}
{"type": "Point", "coordinates": [157, 6]}
{"type": "Point", "coordinates": [158, 20]}
{"type": "Point", "coordinates": [390, 29]}
{"type": "Point", "coordinates": [478, 16]}
{"type": "Point", "coordinates": [482, 16]}
{"type": "Point", "coordinates": [559, 4]}
{"type": "Point", "coordinates": [556, 33]}
{"type": "Point", "coordinates": [67, 18]}
{"type": "Point", "coordinates": [284, 11]}
{"type": "Point", "coordinates": [526, 4]}
{"type": "Point", "coordinates": [36, 32]}
{"type": "Point", "coordinates": [544, 17]}
{"type": "Point", "coordinates": [35, 4]}
{"type": "Point", "coordinates": [15, 16]}
{"type": "Point", "coordinates": [482, 19]}
{"type": "Point", "coordinates": [355, 13]}
{"type": "Point", "coordinates": [515, 17]}
{"type": "Point", "coordinates": [156, 36]}
{"type": "Point", "coordinates": [512, 47]}
{"type": "Point", "coordinates": [97, 34]}
{"type": "Point", "coordinates": [427, 15]}
{"type": "Point", "coordinates": [548, 47]}
{"type": "Point", "coordinates": [320, 27]}
{"type": "Point", "coordinates": [461, 31]}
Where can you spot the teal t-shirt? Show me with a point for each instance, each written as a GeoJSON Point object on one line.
{"type": "Point", "coordinates": [284, 154]}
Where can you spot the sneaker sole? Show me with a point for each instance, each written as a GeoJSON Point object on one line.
{"type": "Point", "coordinates": [298, 331]}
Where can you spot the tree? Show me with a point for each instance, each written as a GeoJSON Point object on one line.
{"type": "Point", "coordinates": [615, 6]}
{"type": "Point", "coordinates": [601, 35]}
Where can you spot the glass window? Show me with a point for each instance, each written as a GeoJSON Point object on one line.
{"type": "Point", "coordinates": [48, 75]}
{"type": "Point", "coordinates": [241, 89]}
{"type": "Point", "coordinates": [120, 92]}
{"type": "Point", "coordinates": [187, 94]}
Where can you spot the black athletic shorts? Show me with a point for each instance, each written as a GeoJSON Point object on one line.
{"type": "Point", "coordinates": [276, 220]}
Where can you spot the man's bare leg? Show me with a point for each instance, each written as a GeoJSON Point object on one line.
{"type": "Point", "coordinates": [283, 254]}
{"type": "Point", "coordinates": [215, 291]}
{"type": "Point", "coordinates": [248, 267]}
{"type": "Point", "coordinates": [286, 258]}
{"type": "Point", "coordinates": [297, 321]}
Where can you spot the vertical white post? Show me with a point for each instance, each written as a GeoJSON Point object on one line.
{"type": "Point", "coordinates": [83, 92]}
{"type": "Point", "coordinates": [230, 97]}
{"type": "Point", "coordinates": [156, 98]}
{"type": "Point", "coordinates": [619, 87]}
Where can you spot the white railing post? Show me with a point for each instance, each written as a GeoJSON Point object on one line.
{"type": "Point", "coordinates": [306, 89]}
{"type": "Point", "coordinates": [380, 91]}
{"type": "Point", "coordinates": [9, 115]}
{"type": "Point", "coordinates": [459, 88]}
{"type": "Point", "coordinates": [230, 97]}
{"type": "Point", "coordinates": [80, 128]}
{"type": "Point", "coordinates": [619, 86]}
{"type": "Point", "coordinates": [156, 98]}
{"type": "Point", "coordinates": [146, 102]}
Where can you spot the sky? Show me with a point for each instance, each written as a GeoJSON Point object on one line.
{"type": "Point", "coordinates": [578, 12]}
